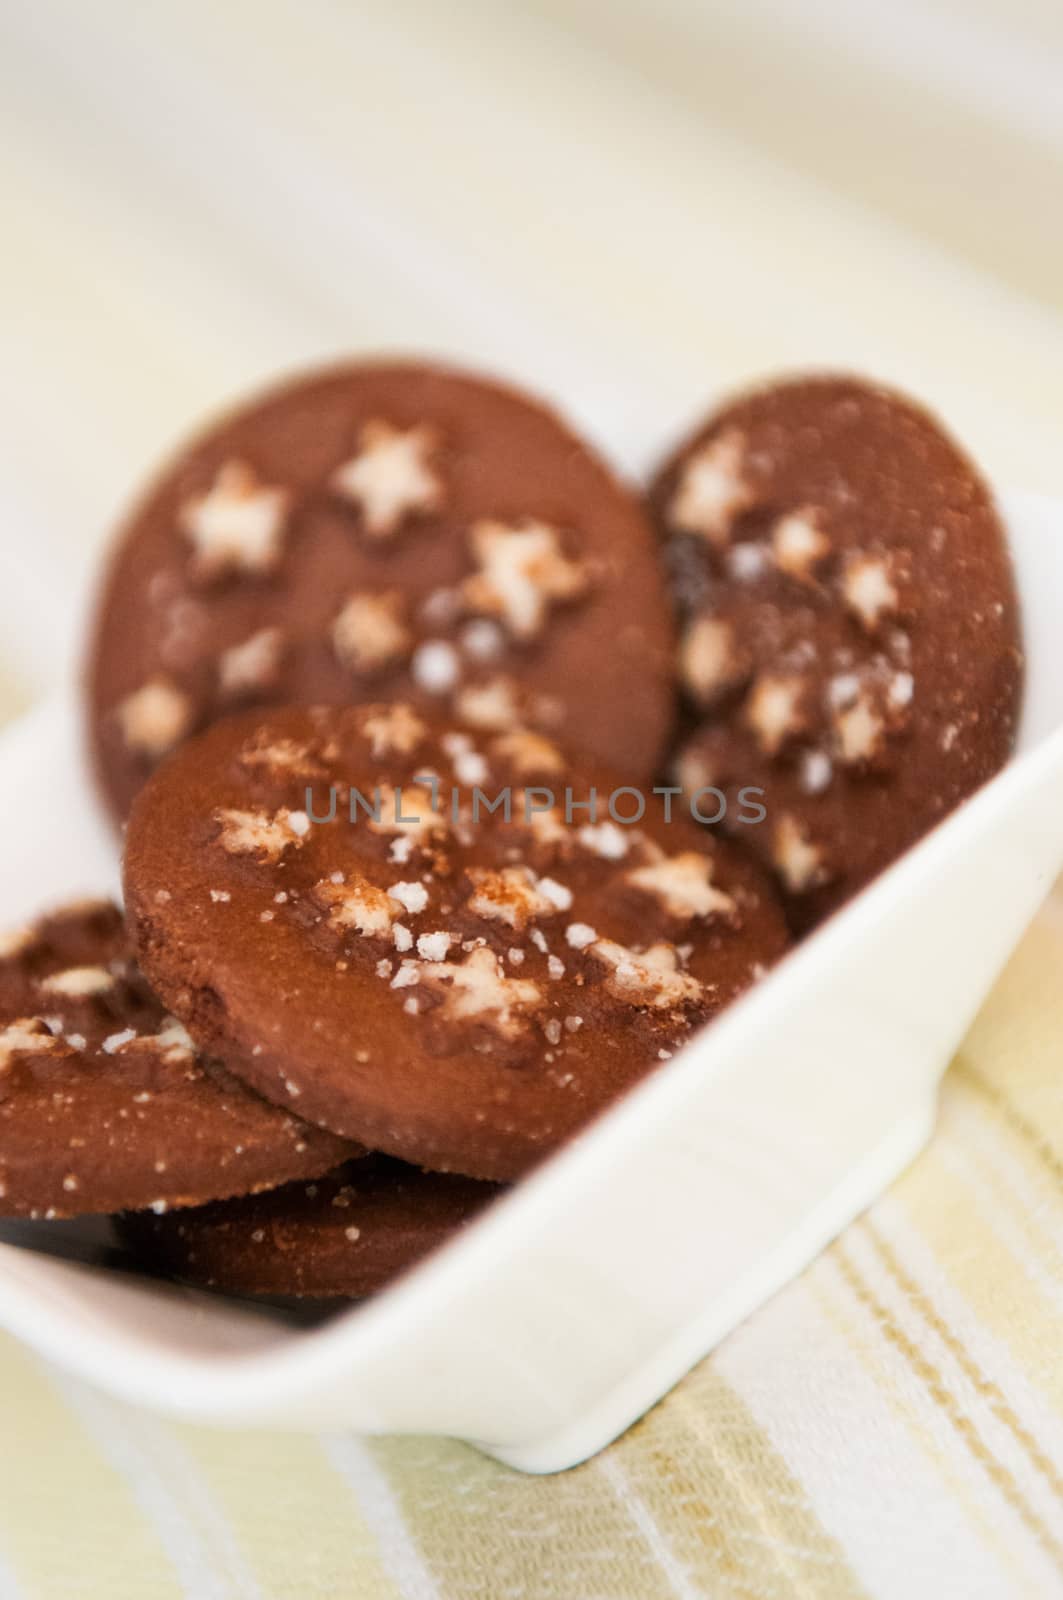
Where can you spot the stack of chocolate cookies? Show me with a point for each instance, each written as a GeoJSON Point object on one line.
{"type": "Point", "coordinates": [460, 786]}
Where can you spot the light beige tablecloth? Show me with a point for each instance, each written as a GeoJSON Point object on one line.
{"type": "Point", "coordinates": [891, 1424]}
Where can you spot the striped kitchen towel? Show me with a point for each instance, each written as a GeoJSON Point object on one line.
{"type": "Point", "coordinates": [889, 1425]}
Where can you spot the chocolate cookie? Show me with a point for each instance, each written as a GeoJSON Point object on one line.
{"type": "Point", "coordinates": [376, 531]}
{"type": "Point", "coordinates": [450, 986]}
{"type": "Point", "coordinates": [104, 1102]}
{"type": "Point", "coordinates": [343, 1236]}
{"type": "Point", "coordinates": [850, 632]}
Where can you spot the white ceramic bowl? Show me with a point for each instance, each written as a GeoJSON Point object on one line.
{"type": "Point", "coordinates": [556, 1320]}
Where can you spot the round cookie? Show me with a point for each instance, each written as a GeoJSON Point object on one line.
{"type": "Point", "coordinates": [104, 1102]}
{"type": "Point", "coordinates": [850, 636]}
{"type": "Point", "coordinates": [375, 531]}
{"type": "Point", "coordinates": [343, 1236]}
{"type": "Point", "coordinates": [461, 995]}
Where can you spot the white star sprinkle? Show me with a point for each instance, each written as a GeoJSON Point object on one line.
{"type": "Point", "coordinates": [479, 988]}
{"type": "Point", "coordinates": [237, 526]}
{"type": "Point", "coordinates": [407, 811]}
{"type": "Point", "coordinates": [773, 710]}
{"type": "Point", "coordinates": [154, 718]}
{"type": "Point", "coordinates": [522, 569]}
{"type": "Point", "coordinates": [860, 732]}
{"type": "Point", "coordinates": [24, 1036]}
{"type": "Point", "coordinates": [370, 632]}
{"type": "Point", "coordinates": [356, 903]}
{"type": "Point", "coordinates": [394, 728]}
{"type": "Point", "coordinates": [528, 752]}
{"type": "Point", "coordinates": [869, 591]}
{"type": "Point", "coordinates": [646, 977]}
{"type": "Point", "coordinates": [390, 478]}
{"type": "Point", "coordinates": [709, 661]}
{"type": "Point", "coordinates": [514, 895]}
{"type": "Point", "coordinates": [798, 544]}
{"type": "Point", "coordinates": [257, 833]}
{"type": "Point", "coordinates": [489, 705]}
{"type": "Point", "coordinates": [253, 664]}
{"type": "Point", "coordinates": [683, 885]}
{"type": "Point", "coordinates": [713, 489]}
{"type": "Point", "coordinates": [799, 862]}
{"type": "Point", "coordinates": [282, 756]}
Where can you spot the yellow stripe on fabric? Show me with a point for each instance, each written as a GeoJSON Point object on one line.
{"type": "Point", "coordinates": [731, 1508]}
{"type": "Point", "coordinates": [1032, 1129]}
{"type": "Point", "coordinates": [1001, 1245]}
{"type": "Point", "coordinates": [1010, 1159]}
{"type": "Point", "coordinates": [962, 1425]}
{"type": "Point", "coordinates": [986, 1387]}
{"type": "Point", "coordinates": [70, 1523]}
{"type": "Point", "coordinates": [483, 1529]}
{"type": "Point", "coordinates": [833, 1293]}
{"type": "Point", "coordinates": [291, 1514]}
